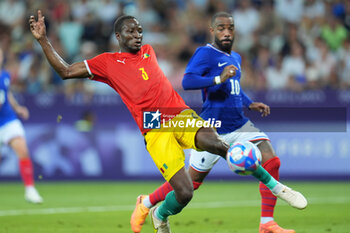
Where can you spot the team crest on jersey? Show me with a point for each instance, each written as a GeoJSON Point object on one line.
{"type": "Point", "coordinates": [146, 55]}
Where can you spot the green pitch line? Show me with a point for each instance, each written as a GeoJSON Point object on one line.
{"type": "Point", "coordinates": [223, 207]}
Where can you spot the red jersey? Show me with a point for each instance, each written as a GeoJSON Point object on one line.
{"type": "Point", "coordinates": [139, 81]}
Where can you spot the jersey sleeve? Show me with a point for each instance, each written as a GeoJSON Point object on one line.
{"type": "Point", "coordinates": [246, 100]}
{"type": "Point", "coordinates": [97, 67]}
{"type": "Point", "coordinates": [196, 69]}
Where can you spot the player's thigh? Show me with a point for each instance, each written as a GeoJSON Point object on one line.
{"type": "Point", "coordinates": [11, 130]}
{"type": "Point", "coordinates": [166, 152]}
{"type": "Point", "coordinates": [248, 132]}
{"type": "Point", "coordinates": [13, 135]}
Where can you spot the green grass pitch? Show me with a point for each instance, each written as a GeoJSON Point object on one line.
{"type": "Point", "coordinates": [222, 207]}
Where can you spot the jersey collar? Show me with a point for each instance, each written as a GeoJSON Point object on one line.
{"type": "Point", "coordinates": [211, 46]}
{"type": "Point", "coordinates": [131, 55]}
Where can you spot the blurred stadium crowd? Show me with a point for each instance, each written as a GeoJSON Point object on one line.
{"type": "Point", "coordinates": [284, 44]}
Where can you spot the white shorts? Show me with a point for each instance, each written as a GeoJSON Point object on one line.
{"type": "Point", "coordinates": [204, 161]}
{"type": "Point", "coordinates": [11, 130]}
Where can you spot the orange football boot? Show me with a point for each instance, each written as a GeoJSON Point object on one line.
{"type": "Point", "coordinates": [272, 227]}
{"type": "Point", "coordinates": [139, 215]}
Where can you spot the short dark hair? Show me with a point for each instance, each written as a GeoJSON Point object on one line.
{"type": "Point", "coordinates": [220, 14]}
{"type": "Point", "coordinates": [118, 24]}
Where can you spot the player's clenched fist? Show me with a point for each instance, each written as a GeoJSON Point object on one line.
{"type": "Point", "coordinates": [228, 72]}
{"type": "Point", "coordinates": [38, 28]}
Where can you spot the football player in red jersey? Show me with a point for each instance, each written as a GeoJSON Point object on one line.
{"type": "Point", "coordinates": [134, 73]}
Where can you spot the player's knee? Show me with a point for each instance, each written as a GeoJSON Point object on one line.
{"type": "Point", "coordinates": [221, 148]}
{"type": "Point", "coordinates": [208, 140]}
{"type": "Point", "coordinates": [267, 151]}
{"type": "Point", "coordinates": [184, 195]}
{"type": "Point", "coordinates": [266, 157]}
{"type": "Point", "coordinates": [22, 153]}
{"type": "Point", "coordinates": [187, 196]}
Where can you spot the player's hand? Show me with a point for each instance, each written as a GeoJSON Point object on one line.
{"type": "Point", "coordinates": [22, 112]}
{"type": "Point", "coordinates": [38, 28]}
{"type": "Point", "coordinates": [260, 107]}
{"type": "Point", "coordinates": [228, 72]}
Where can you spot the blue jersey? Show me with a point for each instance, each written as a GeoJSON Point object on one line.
{"type": "Point", "coordinates": [224, 101]}
{"type": "Point", "coordinates": [6, 112]}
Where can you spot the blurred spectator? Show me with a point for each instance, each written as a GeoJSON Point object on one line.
{"type": "Point", "coordinates": [291, 37]}
{"type": "Point", "coordinates": [260, 63]}
{"type": "Point", "coordinates": [334, 33]}
{"type": "Point", "coordinates": [81, 9]}
{"type": "Point", "coordinates": [290, 10]}
{"type": "Point", "coordinates": [314, 9]}
{"type": "Point", "coordinates": [246, 19]}
{"type": "Point", "coordinates": [60, 10]}
{"type": "Point", "coordinates": [91, 28]}
{"type": "Point", "coordinates": [294, 66]}
{"type": "Point", "coordinates": [313, 51]}
{"type": "Point", "coordinates": [270, 28]}
{"type": "Point", "coordinates": [144, 12]}
{"type": "Point", "coordinates": [108, 11]}
{"type": "Point", "coordinates": [12, 12]}
{"type": "Point", "coordinates": [276, 77]}
{"type": "Point", "coordinates": [280, 29]}
{"type": "Point", "coordinates": [344, 64]}
{"type": "Point", "coordinates": [214, 6]}
{"type": "Point", "coordinates": [325, 63]}
{"type": "Point", "coordinates": [199, 32]}
{"type": "Point", "coordinates": [247, 76]}
{"type": "Point", "coordinates": [70, 33]}
{"type": "Point", "coordinates": [313, 77]}
{"type": "Point", "coordinates": [346, 17]}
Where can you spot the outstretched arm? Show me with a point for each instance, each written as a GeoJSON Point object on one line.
{"type": "Point", "coordinates": [66, 71]}
{"type": "Point", "coordinates": [20, 110]}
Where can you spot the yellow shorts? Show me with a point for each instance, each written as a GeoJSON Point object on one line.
{"type": "Point", "coordinates": [166, 144]}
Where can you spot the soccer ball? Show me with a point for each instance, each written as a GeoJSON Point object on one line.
{"type": "Point", "coordinates": [243, 158]}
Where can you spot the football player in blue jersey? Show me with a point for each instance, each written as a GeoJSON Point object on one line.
{"type": "Point", "coordinates": [216, 70]}
{"type": "Point", "coordinates": [12, 133]}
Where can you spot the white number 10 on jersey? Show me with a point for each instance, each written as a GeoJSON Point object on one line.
{"type": "Point", "coordinates": [235, 87]}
